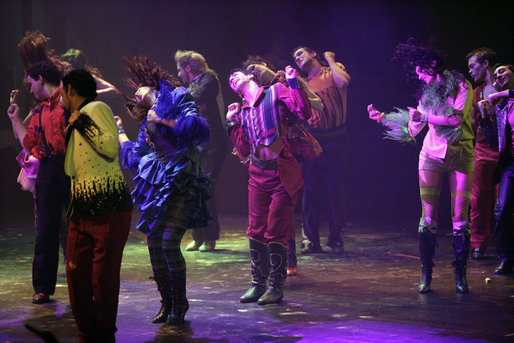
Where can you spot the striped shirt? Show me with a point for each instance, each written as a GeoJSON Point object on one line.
{"type": "Point", "coordinates": [334, 100]}
{"type": "Point", "coordinates": [263, 121]}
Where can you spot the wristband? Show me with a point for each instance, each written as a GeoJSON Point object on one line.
{"type": "Point", "coordinates": [294, 83]}
{"type": "Point", "coordinates": [121, 130]}
{"type": "Point", "coordinates": [424, 118]}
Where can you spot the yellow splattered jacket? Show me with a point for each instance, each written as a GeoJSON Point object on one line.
{"type": "Point", "coordinates": [97, 184]}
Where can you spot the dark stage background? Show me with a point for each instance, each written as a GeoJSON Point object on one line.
{"type": "Point", "coordinates": [382, 175]}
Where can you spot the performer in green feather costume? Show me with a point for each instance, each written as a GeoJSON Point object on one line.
{"type": "Point", "coordinates": [444, 105]}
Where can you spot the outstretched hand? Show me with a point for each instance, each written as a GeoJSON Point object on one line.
{"type": "Point", "coordinates": [374, 114]}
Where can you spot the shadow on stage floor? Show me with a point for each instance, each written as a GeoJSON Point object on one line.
{"type": "Point", "coordinates": [366, 295]}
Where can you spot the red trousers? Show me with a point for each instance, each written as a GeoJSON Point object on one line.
{"type": "Point", "coordinates": [270, 207]}
{"type": "Point", "coordinates": [483, 196]}
{"type": "Point", "coordinates": [94, 252]}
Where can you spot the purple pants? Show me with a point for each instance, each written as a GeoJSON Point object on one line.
{"type": "Point", "coordinates": [270, 207]}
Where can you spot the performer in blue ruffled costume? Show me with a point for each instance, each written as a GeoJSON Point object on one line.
{"type": "Point", "coordinates": [171, 188]}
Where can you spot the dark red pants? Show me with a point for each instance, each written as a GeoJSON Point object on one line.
{"type": "Point", "coordinates": [94, 252]}
{"type": "Point", "coordinates": [483, 196]}
{"type": "Point", "coordinates": [270, 208]}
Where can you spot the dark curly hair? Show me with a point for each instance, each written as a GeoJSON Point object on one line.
{"type": "Point", "coordinates": [412, 54]}
{"type": "Point", "coordinates": [48, 72]}
{"type": "Point", "coordinates": [82, 82]}
{"type": "Point", "coordinates": [142, 72]}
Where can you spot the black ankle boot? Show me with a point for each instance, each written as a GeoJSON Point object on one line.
{"type": "Point", "coordinates": [461, 247]}
{"type": "Point", "coordinates": [427, 245]}
{"type": "Point", "coordinates": [180, 304]}
{"type": "Point", "coordinates": [164, 288]}
{"type": "Point", "coordinates": [163, 313]}
{"type": "Point", "coordinates": [260, 270]}
{"type": "Point", "coordinates": [179, 309]}
{"type": "Point", "coordinates": [253, 294]}
{"type": "Point", "coordinates": [277, 275]}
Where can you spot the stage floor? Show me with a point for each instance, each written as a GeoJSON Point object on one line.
{"type": "Point", "coordinates": [368, 294]}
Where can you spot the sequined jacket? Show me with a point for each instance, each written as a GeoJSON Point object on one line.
{"type": "Point", "coordinates": [97, 184]}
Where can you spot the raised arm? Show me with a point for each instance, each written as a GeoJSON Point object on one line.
{"type": "Point", "coordinates": [13, 112]}
{"type": "Point", "coordinates": [295, 97]}
{"type": "Point", "coordinates": [341, 77]}
{"type": "Point", "coordinates": [103, 87]}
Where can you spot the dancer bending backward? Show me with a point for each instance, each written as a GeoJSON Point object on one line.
{"type": "Point", "coordinates": [264, 75]}
{"type": "Point", "coordinates": [258, 131]}
{"type": "Point", "coordinates": [171, 188]}
{"type": "Point", "coordinates": [445, 105]}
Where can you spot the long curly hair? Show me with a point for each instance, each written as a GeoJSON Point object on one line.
{"type": "Point", "coordinates": [411, 54]}
{"type": "Point", "coordinates": [33, 48]}
{"type": "Point", "coordinates": [431, 96]}
{"type": "Point", "coordinates": [142, 72]}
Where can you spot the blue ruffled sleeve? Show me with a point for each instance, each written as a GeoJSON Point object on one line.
{"type": "Point", "coordinates": [190, 127]}
{"type": "Point", "coordinates": [132, 152]}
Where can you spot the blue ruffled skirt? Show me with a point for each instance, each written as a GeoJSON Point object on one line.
{"type": "Point", "coordinates": [157, 183]}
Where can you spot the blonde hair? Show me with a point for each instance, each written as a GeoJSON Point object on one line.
{"type": "Point", "coordinates": [192, 58]}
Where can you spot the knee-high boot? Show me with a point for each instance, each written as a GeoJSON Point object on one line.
{"type": "Point", "coordinates": [164, 288]}
{"type": "Point", "coordinates": [260, 270]}
{"type": "Point", "coordinates": [461, 247]}
{"type": "Point", "coordinates": [277, 275]}
{"type": "Point", "coordinates": [180, 305]}
{"type": "Point", "coordinates": [427, 243]}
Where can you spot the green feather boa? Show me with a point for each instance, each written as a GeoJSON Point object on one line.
{"type": "Point", "coordinates": [435, 96]}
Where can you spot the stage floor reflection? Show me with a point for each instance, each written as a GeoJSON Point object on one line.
{"type": "Point", "coordinates": [368, 294]}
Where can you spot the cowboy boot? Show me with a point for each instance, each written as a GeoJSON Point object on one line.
{"type": "Point", "coordinates": [427, 243]}
{"type": "Point", "coordinates": [260, 271]}
{"type": "Point", "coordinates": [277, 275]}
{"type": "Point", "coordinates": [164, 288]}
{"type": "Point", "coordinates": [461, 247]}
{"type": "Point", "coordinates": [292, 263]}
{"type": "Point", "coordinates": [180, 305]}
